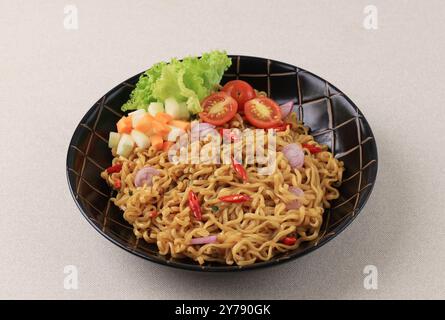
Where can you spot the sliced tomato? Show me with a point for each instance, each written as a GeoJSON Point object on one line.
{"type": "Point", "coordinates": [263, 113]}
{"type": "Point", "coordinates": [241, 91]}
{"type": "Point", "coordinates": [218, 108]}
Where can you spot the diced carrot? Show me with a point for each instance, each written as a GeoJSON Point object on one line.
{"type": "Point", "coordinates": [124, 125]}
{"type": "Point", "coordinates": [145, 124]}
{"type": "Point", "coordinates": [184, 125]}
{"type": "Point", "coordinates": [163, 117]}
{"type": "Point", "coordinates": [167, 145]}
{"type": "Point", "coordinates": [160, 128]}
{"type": "Point", "coordinates": [156, 141]}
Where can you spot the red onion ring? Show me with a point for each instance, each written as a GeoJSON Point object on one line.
{"type": "Point", "coordinates": [294, 154]}
{"type": "Point", "coordinates": [203, 240]}
{"type": "Point", "coordinates": [286, 109]}
{"type": "Point", "coordinates": [295, 204]}
{"type": "Point", "coordinates": [145, 176]}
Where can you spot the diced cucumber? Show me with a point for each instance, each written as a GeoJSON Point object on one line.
{"type": "Point", "coordinates": [125, 146]}
{"type": "Point", "coordinates": [141, 140]}
{"type": "Point", "coordinates": [113, 140]}
{"type": "Point", "coordinates": [176, 110]}
{"type": "Point", "coordinates": [174, 133]}
{"type": "Point", "coordinates": [136, 116]}
{"type": "Point", "coordinates": [172, 107]}
{"type": "Point", "coordinates": [155, 107]}
{"type": "Point", "coordinates": [185, 114]}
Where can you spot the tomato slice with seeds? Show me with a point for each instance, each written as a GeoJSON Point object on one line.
{"type": "Point", "coordinates": [241, 91]}
{"type": "Point", "coordinates": [263, 112]}
{"type": "Point", "coordinates": [218, 108]}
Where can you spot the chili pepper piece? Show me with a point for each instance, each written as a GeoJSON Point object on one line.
{"type": "Point", "coordinates": [239, 169]}
{"type": "Point", "coordinates": [194, 205]}
{"type": "Point", "coordinates": [235, 198]}
{"type": "Point", "coordinates": [117, 184]}
{"type": "Point", "coordinates": [153, 214]}
{"type": "Point", "coordinates": [282, 127]}
{"type": "Point", "coordinates": [289, 241]}
{"type": "Point", "coordinates": [115, 168]}
{"type": "Point", "coordinates": [311, 148]}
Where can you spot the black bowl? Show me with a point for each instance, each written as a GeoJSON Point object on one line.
{"type": "Point", "coordinates": [333, 118]}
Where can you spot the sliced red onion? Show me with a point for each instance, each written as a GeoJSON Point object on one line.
{"type": "Point", "coordinates": [201, 126]}
{"type": "Point", "coordinates": [145, 176]}
{"type": "Point", "coordinates": [204, 133]}
{"type": "Point", "coordinates": [294, 154]}
{"type": "Point", "coordinates": [295, 204]}
{"type": "Point", "coordinates": [203, 240]}
{"type": "Point", "coordinates": [286, 109]}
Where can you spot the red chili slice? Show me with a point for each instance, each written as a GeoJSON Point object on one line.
{"type": "Point", "coordinates": [289, 241]}
{"type": "Point", "coordinates": [117, 184]}
{"type": "Point", "coordinates": [312, 148]}
{"type": "Point", "coordinates": [194, 205]}
{"type": "Point", "coordinates": [239, 169]}
{"type": "Point", "coordinates": [235, 198]}
{"type": "Point", "coordinates": [153, 214]}
{"type": "Point", "coordinates": [115, 168]}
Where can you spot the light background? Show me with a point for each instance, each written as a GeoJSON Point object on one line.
{"type": "Point", "coordinates": [49, 77]}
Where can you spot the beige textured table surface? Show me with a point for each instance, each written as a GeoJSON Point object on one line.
{"type": "Point", "coordinates": [50, 76]}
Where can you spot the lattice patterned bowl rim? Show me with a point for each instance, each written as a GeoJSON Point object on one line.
{"type": "Point", "coordinates": [188, 264]}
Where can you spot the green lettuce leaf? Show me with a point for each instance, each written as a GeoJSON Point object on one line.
{"type": "Point", "coordinates": [189, 81]}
